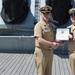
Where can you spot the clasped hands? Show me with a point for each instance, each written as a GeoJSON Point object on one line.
{"type": "Point", "coordinates": [56, 44]}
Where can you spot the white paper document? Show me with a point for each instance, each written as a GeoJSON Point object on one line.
{"type": "Point", "coordinates": [62, 34]}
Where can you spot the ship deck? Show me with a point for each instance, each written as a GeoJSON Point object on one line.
{"type": "Point", "coordinates": [23, 64]}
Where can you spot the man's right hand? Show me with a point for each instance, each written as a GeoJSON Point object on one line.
{"type": "Point", "coordinates": [55, 45]}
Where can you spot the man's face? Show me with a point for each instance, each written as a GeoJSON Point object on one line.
{"type": "Point", "coordinates": [73, 18]}
{"type": "Point", "coordinates": [46, 16]}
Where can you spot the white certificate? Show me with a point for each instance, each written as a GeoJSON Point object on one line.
{"type": "Point", "coordinates": [62, 34]}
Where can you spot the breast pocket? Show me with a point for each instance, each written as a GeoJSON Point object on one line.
{"type": "Point", "coordinates": [47, 33]}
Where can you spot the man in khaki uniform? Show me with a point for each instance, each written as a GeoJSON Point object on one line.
{"type": "Point", "coordinates": [44, 43]}
{"type": "Point", "coordinates": [71, 43]}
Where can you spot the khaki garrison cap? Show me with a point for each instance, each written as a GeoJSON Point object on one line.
{"type": "Point", "coordinates": [45, 9]}
{"type": "Point", "coordinates": [72, 12]}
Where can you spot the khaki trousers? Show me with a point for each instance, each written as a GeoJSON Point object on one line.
{"type": "Point", "coordinates": [43, 61]}
{"type": "Point", "coordinates": [72, 62]}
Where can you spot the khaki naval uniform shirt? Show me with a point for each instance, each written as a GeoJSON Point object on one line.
{"type": "Point", "coordinates": [71, 43]}
{"type": "Point", "coordinates": [43, 30]}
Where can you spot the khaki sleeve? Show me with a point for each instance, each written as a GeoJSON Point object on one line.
{"type": "Point", "coordinates": [37, 31]}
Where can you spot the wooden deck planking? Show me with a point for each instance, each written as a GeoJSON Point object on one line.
{"type": "Point", "coordinates": [57, 69]}
{"type": "Point", "coordinates": [61, 65]}
{"type": "Point", "coordinates": [67, 64]}
{"type": "Point", "coordinates": [29, 67]}
{"type": "Point", "coordinates": [26, 66]}
{"type": "Point", "coordinates": [4, 63]}
{"type": "Point", "coordinates": [23, 64]}
{"type": "Point", "coordinates": [19, 70]}
{"type": "Point", "coordinates": [19, 66]}
{"type": "Point", "coordinates": [8, 64]}
{"type": "Point", "coordinates": [66, 71]}
{"type": "Point", "coordinates": [14, 65]}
